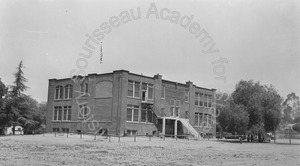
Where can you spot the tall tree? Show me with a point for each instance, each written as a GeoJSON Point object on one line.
{"type": "Point", "coordinates": [291, 108]}
{"type": "Point", "coordinates": [17, 107]}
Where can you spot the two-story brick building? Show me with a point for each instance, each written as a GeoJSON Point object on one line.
{"type": "Point", "coordinates": [125, 103]}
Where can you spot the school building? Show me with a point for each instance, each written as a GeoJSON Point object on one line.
{"type": "Point", "coordinates": [124, 103]}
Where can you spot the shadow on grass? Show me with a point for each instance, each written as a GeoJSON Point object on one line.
{"type": "Point", "coordinates": [238, 142]}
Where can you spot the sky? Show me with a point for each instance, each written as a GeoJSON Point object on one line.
{"type": "Point", "coordinates": [257, 39]}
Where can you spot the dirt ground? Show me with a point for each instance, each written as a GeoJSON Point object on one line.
{"type": "Point", "coordinates": [60, 150]}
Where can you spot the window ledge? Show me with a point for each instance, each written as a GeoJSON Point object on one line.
{"type": "Point", "coordinates": [63, 99]}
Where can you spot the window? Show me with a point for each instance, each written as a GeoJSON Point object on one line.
{"type": "Point", "coordinates": [198, 119]}
{"type": "Point", "coordinates": [68, 91]}
{"type": "Point", "coordinates": [57, 113]}
{"type": "Point", "coordinates": [62, 113]}
{"type": "Point", "coordinates": [55, 129]}
{"type": "Point", "coordinates": [196, 99]}
{"type": "Point", "coordinates": [187, 95]}
{"type": "Point", "coordinates": [172, 107]}
{"type": "Point", "coordinates": [86, 88]}
{"type": "Point", "coordinates": [203, 100]}
{"type": "Point", "coordinates": [143, 115]}
{"type": "Point", "coordinates": [147, 91]}
{"type": "Point", "coordinates": [131, 132]}
{"type": "Point", "coordinates": [175, 108]}
{"type": "Point", "coordinates": [83, 111]}
{"type": "Point", "coordinates": [203, 119]}
{"type": "Point", "coordinates": [133, 89]}
{"type": "Point", "coordinates": [82, 87]}
{"type": "Point", "coordinates": [150, 91]}
{"type": "Point", "coordinates": [209, 100]}
{"type": "Point", "coordinates": [65, 130]}
{"type": "Point", "coordinates": [59, 92]}
{"type": "Point", "coordinates": [67, 113]}
{"type": "Point", "coordinates": [132, 113]}
{"type": "Point", "coordinates": [163, 92]}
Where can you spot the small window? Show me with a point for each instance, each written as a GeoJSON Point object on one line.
{"type": "Point", "coordinates": [143, 115]}
{"type": "Point", "coordinates": [83, 111]}
{"type": "Point", "coordinates": [163, 92]}
{"type": "Point", "coordinates": [187, 95]}
{"type": "Point", "coordinates": [55, 129]}
{"type": "Point", "coordinates": [131, 132]}
{"type": "Point", "coordinates": [65, 130]}
{"type": "Point", "coordinates": [86, 88]}
{"type": "Point", "coordinates": [150, 91]}
{"type": "Point", "coordinates": [196, 99]}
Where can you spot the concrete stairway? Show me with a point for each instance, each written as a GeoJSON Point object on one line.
{"type": "Point", "coordinates": [189, 127]}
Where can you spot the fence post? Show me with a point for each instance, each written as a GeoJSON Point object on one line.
{"type": "Point", "coordinates": [176, 137]}
{"type": "Point", "coordinates": [67, 134]}
{"type": "Point", "coordinates": [134, 138]}
{"type": "Point", "coordinates": [164, 137]}
{"type": "Point", "coordinates": [55, 133]}
{"type": "Point", "coordinates": [119, 139]}
{"type": "Point", "coordinates": [44, 134]}
{"type": "Point", "coordinates": [290, 135]}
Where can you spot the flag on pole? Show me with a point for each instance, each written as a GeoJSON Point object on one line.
{"type": "Point", "coordinates": [101, 54]}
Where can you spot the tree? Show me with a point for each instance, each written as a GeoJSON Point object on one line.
{"type": "Point", "coordinates": [262, 103]}
{"type": "Point", "coordinates": [291, 108]}
{"type": "Point", "coordinates": [232, 118]}
{"type": "Point", "coordinates": [3, 93]}
{"type": "Point", "coordinates": [18, 105]}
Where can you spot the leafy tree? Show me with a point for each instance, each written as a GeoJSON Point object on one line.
{"type": "Point", "coordinates": [3, 93]}
{"type": "Point", "coordinates": [232, 118]}
{"type": "Point", "coordinates": [262, 103]}
{"type": "Point", "coordinates": [291, 108]}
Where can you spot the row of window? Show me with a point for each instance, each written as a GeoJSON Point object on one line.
{"type": "Point", "coordinates": [137, 89]}
{"type": "Point", "coordinates": [65, 92]}
{"type": "Point", "coordinates": [137, 114]}
{"type": "Point", "coordinates": [202, 119]}
{"type": "Point", "coordinates": [62, 113]}
{"type": "Point", "coordinates": [64, 130]}
{"type": "Point", "coordinates": [203, 100]}
{"type": "Point", "coordinates": [186, 94]}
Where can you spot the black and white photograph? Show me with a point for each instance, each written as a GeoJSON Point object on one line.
{"type": "Point", "coordinates": [149, 82]}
